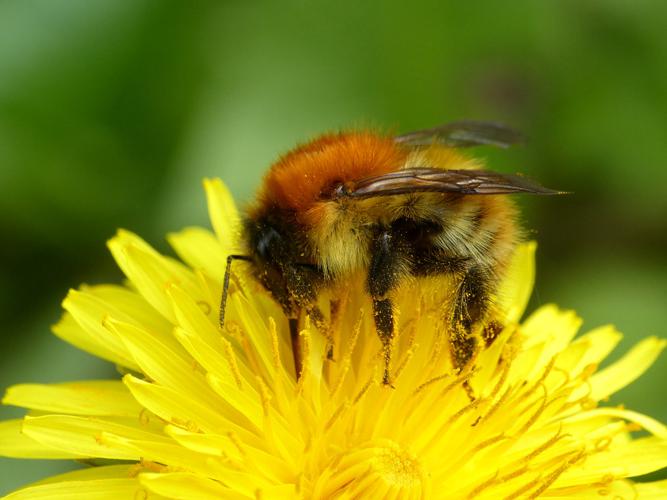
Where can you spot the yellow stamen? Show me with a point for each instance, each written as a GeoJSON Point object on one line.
{"type": "Point", "coordinates": [233, 366]}
{"type": "Point", "coordinates": [305, 357]}
{"type": "Point", "coordinates": [347, 358]}
{"type": "Point", "coordinates": [265, 396]}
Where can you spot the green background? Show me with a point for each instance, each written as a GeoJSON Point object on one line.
{"type": "Point", "coordinates": [111, 112]}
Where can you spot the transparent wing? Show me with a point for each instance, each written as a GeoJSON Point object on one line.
{"type": "Point", "coordinates": [462, 134]}
{"type": "Point", "coordinates": [418, 180]}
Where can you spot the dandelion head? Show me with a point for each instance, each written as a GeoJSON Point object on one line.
{"type": "Point", "coordinates": [201, 411]}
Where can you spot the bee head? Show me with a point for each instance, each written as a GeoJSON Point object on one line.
{"type": "Point", "coordinates": [317, 172]}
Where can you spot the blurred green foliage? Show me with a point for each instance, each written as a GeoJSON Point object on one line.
{"type": "Point", "coordinates": [111, 112]}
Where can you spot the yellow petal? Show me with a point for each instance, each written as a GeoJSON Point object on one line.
{"type": "Point", "coordinates": [207, 443]}
{"type": "Point", "coordinates": [592, 348]}
{"type": "Point", "coordinates": [192, 318]}
{"type": "Point", "coordinates": [248, 457]}
{"type": "Point", "coordinates": [185, 411]}
{"type": "Point", "coordinates": [233, 387]}
{"type": "Point", "coordinates": [200, 249]}
{"type": "Point", "coordinates": [614, 490]}
{"type": "Point", "coordinates": [15, 444]}
{"type": "Point", "coordinates": [633, 458]}
{"type": "Point", "coordinates": [517, 287]}
{"type": "Point", "coordinates": [279, 492]}
{"type": "Point", "coordinates": [656, 490]}
{"type": "Point", "coordinates": [83, 436]}
{"type": "Point", "coordinates": [127, 305]}
{"type": "Point", "coordinates": [169, 365]}
{"type": "Point", "coordinates": [123, 471]}
{"type": "Point", "coordinates": [547, 332]}
{"type": "Point", "coordinates": [84, 328]}
{"type": "Point", "coordinates": [171, 453]}
{"type": "Point", "coordinates": [222, 363]}
{"type": "Point", "coordinates": [223, 214]}
{"type": "Point", "coordinates": [627, 369]}
{"type": "Point", "coordinates": [92, 307]}
{"type": "Point", "coordinates": [186, 486]}
{"type": "Point", "coordinates": [151, 272]}
{"type": "Point", "coordinates": [254, 323]}
{"type": "Point", "coordinates": [552, 326]}
{"type": "Point", "coordinates": [95, 489]}
{"type": "Point", "coordinates": [98, 398]}
{"type": "Point", "coordinates": [70, 331]}
{"type": "Point", "coordinates": [647, 423]}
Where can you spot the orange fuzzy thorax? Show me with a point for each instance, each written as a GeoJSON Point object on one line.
{"type": "Point", "coordinates": [301, 177]}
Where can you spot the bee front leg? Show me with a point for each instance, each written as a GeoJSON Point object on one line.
{"type": "Point", "coordinates": [296, 345]}
{"type": "Point", "coordinates": [225, 286]}
{"type": "Point", "coordinates": [384, 273]}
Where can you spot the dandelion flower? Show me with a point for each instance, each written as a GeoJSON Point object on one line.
{"type": "Point", "coordinates": [204, 413]}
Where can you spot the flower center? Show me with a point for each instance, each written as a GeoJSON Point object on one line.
{"type": "Point", "coordinates": [379, 469]}
{"type": "Point", "coordinates": [397, 467]}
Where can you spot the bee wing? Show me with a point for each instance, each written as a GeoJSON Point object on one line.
{"type": "Point", "coordinates": [419, 180]}
{"type": "Point", "coordinates": [463, 134]}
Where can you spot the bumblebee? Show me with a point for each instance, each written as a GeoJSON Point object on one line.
{"type": "Point", "coordinates": [391, 208]}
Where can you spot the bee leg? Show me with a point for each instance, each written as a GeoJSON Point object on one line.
{"type": "Point", "coordinates": [296, 346]}
{"type": "Point", "coordinates": [384, 273]}
{"type": "Point", "coordinates": [335, 308]}
{"type": "Point", "coordinates": [301, 293]}
{"type": "Point", "coordinates": [470, 307]}
{"type": "Point", "coordinates": [491, 331]}
{"type": "Point", "coordinates": [225, 285]}
{"type": "Point", "coordinates": [384, 323]}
